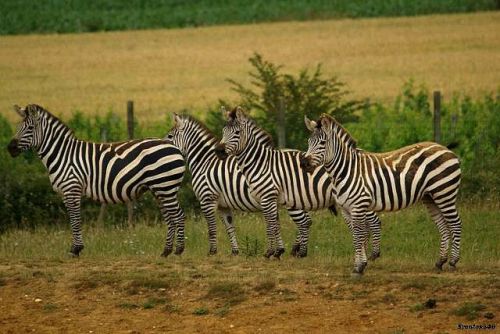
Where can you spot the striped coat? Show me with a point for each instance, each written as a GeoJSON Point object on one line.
{"type": "Point", "coordinates": [108, 173]}
{"type": "Point", "coordinates": [388, 181]}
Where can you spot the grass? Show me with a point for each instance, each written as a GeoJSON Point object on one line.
{"type": "Point", "coordinates": [409, 240]}
{"type": "Point", "coordinates": [171, 70]}
{"type": "Point", "coordinates": [469, 310]}
{"type": "Point", "coordinates": [21, 17]}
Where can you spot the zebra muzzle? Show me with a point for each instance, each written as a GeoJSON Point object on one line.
{"type": "Point", "coordinates": [220, 151]}
{"type": "Point", "coordinates": [13, 148]}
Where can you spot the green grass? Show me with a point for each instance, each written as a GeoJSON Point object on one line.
{"type": "Point", "coordinates": [24, 16]}
{"type": "Point", "coordinates": [469, 310]}
{"type": "Point", "coordinates": [409, 240]}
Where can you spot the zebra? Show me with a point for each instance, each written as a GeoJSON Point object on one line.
{"type": "Point", "coordinates": [388, 181]}
{"type": "Point", "coordinates": [220, 184]}
{"type": "Point", "coordinates": [275, 176]}
{"type": "Point", "coordinates": [108, 172]}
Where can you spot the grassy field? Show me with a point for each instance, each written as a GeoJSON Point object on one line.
{"type": "Point", "coordinates": [121, 285]}
{"type": "Point", "coordinates": [25, 16]}
{"type": "Point", "coordinates": [168, 70]}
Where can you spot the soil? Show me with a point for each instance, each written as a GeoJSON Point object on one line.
{"type": "Point", "coordinates": [130, 296]}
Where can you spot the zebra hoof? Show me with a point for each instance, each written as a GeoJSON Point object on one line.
{"type": "Point", "coordinates": [166, 252]}
{"type": "Point", "coordinates": [374, 256]}
{"type": "Point", "coordinates": [302, 253]}
{"type": "Point", "coordinates": [212, 252]}
{"type": "Point", "coordinates": [235, 252]}
{"type": "Point", "coordinates": [439, 264]}
{"type": "Point", "coordinates": [75, 250]}
{"type": "Point", "coordinates": [295, 250]}
{"type": "Point", "coordinates": [179, 250]}
{"type": "Point", "coordinates": [277, 254]}
{"type": "Point", "coordinates": [269, 253]}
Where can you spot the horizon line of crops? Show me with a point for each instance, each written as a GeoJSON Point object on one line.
{"type": "Point", "coordinates": [59, 16]}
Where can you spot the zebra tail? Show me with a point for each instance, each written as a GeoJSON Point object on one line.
{"type": "Point", "coordinates": [333, 209]}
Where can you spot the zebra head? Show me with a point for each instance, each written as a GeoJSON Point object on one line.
{"type": "Point", "coordinates": [177, 133]}
{"type": "Point", "coordinates": [234, 134]}
{"type": "Point", "coordinates": [29, 131]}
{"type": "Point", "coordinates": [320, 143]}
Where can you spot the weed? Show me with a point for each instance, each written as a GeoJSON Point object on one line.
{"type": "Point", "coordinates": [470, 310]}
{"type": "Point", "coordinates": [152, 302]}
{"type": "Point", "coordinates": [200, 311]}
{"type": "Point", "coordinates": [417, 307]}
{"type": "Point", "coordinates": [49, 307]}
{"type": "Point", "coordinates": [265, 286]}
{"type": "Point", "coordinates": [172, 308]}
{"type": "Point", "coordinates": [128, 306]}
{"type": "Point", "coordinates": [222, 311]}
{"type": "Point", "coordinates": [231, 292]}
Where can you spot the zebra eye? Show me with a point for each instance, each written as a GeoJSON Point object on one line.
{"type": "Point", "coordinates": [322, 142]}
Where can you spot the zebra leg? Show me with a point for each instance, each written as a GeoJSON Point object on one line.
{"type": "Point", "coordinates": [227, 216]}
{"type": "Point", "coordinates": [208, 208]}
{"type": "Point", "coordinates": [174, 217]}
{"type": "Point", "coordinates": [73, 204]}
{"type": "Point", "coordinates": [454, 224]}
{"type": "Point", "coordinates": [360, 236]}
{"type": "Point", "coordinates": [270, 210]}
{"type": "Point", "coordinates": [303, 222]}
{"type": "Point", "coordinates": [374, 224]}
{"type": "Point", "coordinates": [444, 232]}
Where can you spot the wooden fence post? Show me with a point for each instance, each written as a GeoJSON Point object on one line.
{"type": "Point", "coordinates": [102, 211]}
{"type": "Point", "coordinates": [437, 116]}
{"type": "Point", "coordinates": [130, 128]}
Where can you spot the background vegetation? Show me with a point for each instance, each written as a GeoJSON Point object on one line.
{"type": "Point", "coordinates": [60, 16]}
{"type": "Point", "coordinates": [27, 200]}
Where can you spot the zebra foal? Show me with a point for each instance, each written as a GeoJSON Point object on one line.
{"type": "Point", "coordinates": [387, 181]}
{"type": "Point", "coordinates": [220, 184]}
{"type": "Point", "coordinates": [108, 173]}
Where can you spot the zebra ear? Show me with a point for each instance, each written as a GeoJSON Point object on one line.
{"type": "Point", "coordinates": [310, 125]}
{"type": "Point", "coordinates": [240, 115]}
{"type": "Point", "coordinates": [179, 122]}
{"type": "Point", "coordinates": [19, 111]}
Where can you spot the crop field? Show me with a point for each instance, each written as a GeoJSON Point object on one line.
{"type": "Point", "coordinates": [120, 284]}
{"type": "Point", "coordinates": [171, 70]}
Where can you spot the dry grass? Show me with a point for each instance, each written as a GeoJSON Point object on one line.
{"type": "Point", "coordinates": [166, 70]}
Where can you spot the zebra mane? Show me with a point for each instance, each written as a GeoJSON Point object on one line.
{"type": "Point", "coordinates": [342, 132]}
{"type": "Point", "coordinates": [268, 139]}
{"type": "Point", "coordinates": [201, 126]}
{"type": "Point", "coordinates": [44, 112]}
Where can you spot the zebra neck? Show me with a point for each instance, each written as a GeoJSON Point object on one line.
{"type": "Point", "coordinates": [254, 160]}
{"type": "Point", "coordinates": [345, 161]}
{"type": "Point", "coordinates": [56, 140]}
{"type": "Point", "coordinates": [200, 154]}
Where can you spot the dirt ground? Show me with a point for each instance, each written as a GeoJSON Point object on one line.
{"type": "Point", "coordinates": [235, 296]}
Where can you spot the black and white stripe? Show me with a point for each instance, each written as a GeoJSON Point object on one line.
{"type": "Point", "coordinates": [388, 181]}
{"type": "Point", "coordinates": [220, 184]}
{"type": "Point", "coordinates": [276, 177]}
{"type": "Point", "coordinates": [108, 173]}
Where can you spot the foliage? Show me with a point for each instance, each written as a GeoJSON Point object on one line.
{"type": "Point", "coordinates": [27, 199]}
{"type": "Point", "coordinates": [283, 99]}
{"type": "Point", "coordinates": [60, 16]}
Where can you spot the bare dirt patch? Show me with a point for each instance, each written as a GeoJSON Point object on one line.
{"type": "Point", "coordinates": [236, 296]}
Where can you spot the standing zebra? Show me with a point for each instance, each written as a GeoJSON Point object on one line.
{"type": "Point", "coordinates": [388, 182]}
{"type": "Point", "coordinates": [108, 173]}
{"type": "Point", "coordinates": [221, 184]}
{"type": "Point", "coordinates": [275, 176]}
